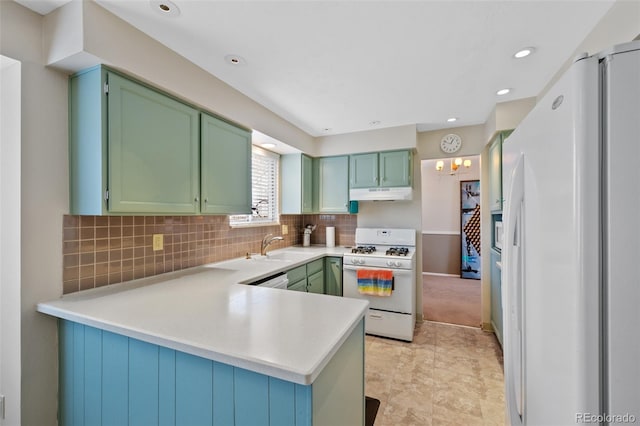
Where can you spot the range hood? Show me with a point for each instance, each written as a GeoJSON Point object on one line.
{"type": "Point", "coordinates": [402, 193]}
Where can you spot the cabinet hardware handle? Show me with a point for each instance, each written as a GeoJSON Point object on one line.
{"type": "Point", "coordinates": [206, 200]}
{"type": "Point", "coordinates": [196, 199]}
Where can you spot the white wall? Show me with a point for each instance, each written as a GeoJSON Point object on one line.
{"type": "Point", "coordinates": [10, 238]}
{"type": "Point", "coordinates": [82, 33]}
{"type": "Point", "coordinates": [400, 137]}
{"type": "Point", "coordinates": [44, 199]}
{"type": "Point", "coordinates": [441, 195]}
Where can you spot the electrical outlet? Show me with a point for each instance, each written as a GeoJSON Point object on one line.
{"type": "Point", "coordinates": [285, 229]}
{"type": "Point", "coordinates": [158, 242]}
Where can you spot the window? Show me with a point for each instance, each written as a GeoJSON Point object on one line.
{"type": "Point", "coordinates": [264, 189]}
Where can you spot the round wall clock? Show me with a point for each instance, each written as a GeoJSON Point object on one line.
{"type": "Point", "coordinates": [450, 143]}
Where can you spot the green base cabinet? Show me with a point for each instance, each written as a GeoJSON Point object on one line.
{"type": "Point", "coordinates": [110, 379]}
{"type": "Point", "coordinates": [496, 294]}
{"type": "Point", "coordinates": [333, 276]}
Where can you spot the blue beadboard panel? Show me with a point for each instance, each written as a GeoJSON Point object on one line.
{"type": "Point", "coordinates": [251, 396]}
{"type": "Point", "coordinates": [92, 376]}
{"type": "Point", "coordinates": [143, 383]}
{"type": "Point", "coordinates": [108, 379]}
{"type": "Point", "coordinates": [167, 387]}
{"type": "Point", "coordinates": [65, 391]}
{"type": "Point", "coordinates": [223, 384]}
{"type": "Point", "coordinates": [77, 415]}
{"type": "Point", "coordinates": [303, 405]}
{"type": "Point", "coordinates": [282, 402]}
{"type": "Point", "coordinates": [115, 380]}
{"type": "Point", "coordinates": [194, 390]}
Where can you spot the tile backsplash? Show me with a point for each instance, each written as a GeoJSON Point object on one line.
{"type": "Point", "coordinates": [102, 250]}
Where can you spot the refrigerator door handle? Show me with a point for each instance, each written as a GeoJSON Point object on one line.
{"type": "Point", "coordinates": [513, 291]}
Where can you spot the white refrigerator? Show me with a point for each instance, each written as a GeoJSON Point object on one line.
{"type": "Point", "coordinates": [571, 249]}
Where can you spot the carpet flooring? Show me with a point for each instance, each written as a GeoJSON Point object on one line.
{"type": "Point", "coordinates": [451, 300]}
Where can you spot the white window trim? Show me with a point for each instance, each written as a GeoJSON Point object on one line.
{"type": "Point", "coordinates": [238, 221]}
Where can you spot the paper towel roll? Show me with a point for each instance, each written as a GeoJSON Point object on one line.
{"type": "Point", "coordinates": [331, 236]}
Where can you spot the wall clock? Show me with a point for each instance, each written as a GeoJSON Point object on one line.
{"type": "Point", "coordinates": [450, 143]}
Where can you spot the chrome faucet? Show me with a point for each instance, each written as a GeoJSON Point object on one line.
{"type": "Point", "coordinates": [266, 241]}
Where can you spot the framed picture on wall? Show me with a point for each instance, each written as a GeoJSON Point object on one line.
{"type": "Point", "coordinates": [470, 229]}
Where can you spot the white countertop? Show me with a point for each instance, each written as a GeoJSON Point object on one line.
{"type": "Point", "coordinates": [203, 311]}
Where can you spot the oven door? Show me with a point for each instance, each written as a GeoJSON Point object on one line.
{"type": "Point", "coordinates": [402, 296]}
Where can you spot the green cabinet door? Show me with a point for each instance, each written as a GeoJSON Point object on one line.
{"type": "Point", "coordinates": [226, 168]}
{"type": "Point", "coordinates": [333, 276]}
{"type": "Point", "coordinates": [298, 286]}
{"type": "Point", "coordinates": [153, 151]}
{"type": "Point", "coordinates": [296, 171]}
{"type": "Point", "coordinates": [333, 184]}
{"type": "Point", "coordinates": [496, 295]}
{"type": "Point", "coordinates": [315, 283]}
{"type": "Point", "coordinates": [395, 168]}
{"type": "Point", "coordinates": [363, 170]}
{"type": "Point", "coordinates": [307, 184]}
{"type": "Point", "coordinates": [495, 174]}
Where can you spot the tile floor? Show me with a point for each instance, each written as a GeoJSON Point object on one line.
{"type": "Point", "coordinates": [448, 375]}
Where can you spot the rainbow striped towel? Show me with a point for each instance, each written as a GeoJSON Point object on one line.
{"type": "Point", "coordinates": [375, 282]}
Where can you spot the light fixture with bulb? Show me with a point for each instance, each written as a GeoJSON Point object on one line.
{"type": "Point", "coordinates": [503, 92]}
{"type": "Point", "coordinates": [524, 52]}
{"type": "Point", "coordinates": [454, 164]}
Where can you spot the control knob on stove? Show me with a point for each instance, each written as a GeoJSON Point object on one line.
{"type": "Point", "coordinates": [392, 263]}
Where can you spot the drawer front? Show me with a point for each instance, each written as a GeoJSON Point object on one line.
{"type": "Point", "coordinates": [315, 266]}
{"type": "Point", "coordinates": [297, 274]}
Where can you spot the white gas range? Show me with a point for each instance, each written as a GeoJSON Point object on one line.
{"type": "Point", "coordinates": [390, 250]}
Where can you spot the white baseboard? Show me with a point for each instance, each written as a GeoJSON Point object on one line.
{"type": "Point", "coordinates": [441, 275]}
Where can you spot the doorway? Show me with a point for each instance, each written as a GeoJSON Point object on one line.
{"type": "Point", "coordinates": [446, 296]}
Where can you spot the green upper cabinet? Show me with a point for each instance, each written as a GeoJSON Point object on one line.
{"type": "Point", "coordinates": [153, 145]}
{"type": "Point", "coordinates": [381, 169]}
{"type": "Point", "coordinates": [226, 167]}
{"type": "Point", "coordinates": [363, 170]}
{"type": "Point", "coordinates": [332, 184]}
{"type": "Point", "coordinates": [395, 168]}
{"type": "Point", "coordinates": [495, 174]}
{"type": "Point", "coordinates": [297, 184]}
{"type": "Point", "coordinates": [136, 150]}
{"type": "Point", "coordinates": [495, 171]}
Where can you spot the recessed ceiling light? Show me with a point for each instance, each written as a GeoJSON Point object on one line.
{"type": "Point", "coordinates": [375, 122]}
{"type": "Point", "coordinates": [235, 60]}
{"type": "Point", "coordinates": [326, 129]}
{"type": "Point", "coordinates": [503, 92]}
{"type": "Point", "coordinates": [165, 7]}
{"type": "Point", "coordinates": [452, 119]}
{"type": "Point", "coordinates": [523, 53]}
{"type": "Point", "coordinates": [268, 145]}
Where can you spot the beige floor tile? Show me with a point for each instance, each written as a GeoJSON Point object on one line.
{"type": "Point", "coordinates": [448, 375]}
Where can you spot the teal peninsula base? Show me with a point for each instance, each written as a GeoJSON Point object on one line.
{"type": "Point", "coordinates": [111, 379]}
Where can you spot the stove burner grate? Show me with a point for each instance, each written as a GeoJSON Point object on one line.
{"type": "Point", "coordinates": [397, 251]}
{"type": "Point", "coordinates": [363, 250]}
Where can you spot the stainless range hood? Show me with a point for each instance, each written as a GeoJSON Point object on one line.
{"type": "Point", "coordinates": [403, 193]}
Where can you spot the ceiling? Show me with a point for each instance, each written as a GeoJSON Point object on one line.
{"type": "Point", "coordinates": [332, 67]}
